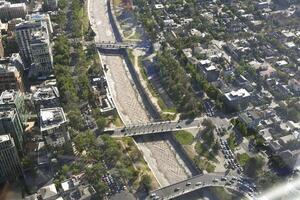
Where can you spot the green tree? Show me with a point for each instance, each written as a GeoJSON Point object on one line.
{"type": "Point", "coordinates": [76, 120]}
{"type": "Point", "coordinates": [146, 182]}
{"type": "Point", "coordinates": [101, 122]}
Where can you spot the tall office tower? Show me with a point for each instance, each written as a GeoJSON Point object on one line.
{"type": "Point", "coordinates": [10, 78]}
{"type": "Point", "coordinates": [1, 45]}
{"type": "Point", "coordinates": [10, 11]}
{"type": "Point", "coordinates": [10, 165]}
{"type": "Point", "coordinates": [51, 5]}
{"type": "Point", "coordinates": [10, 123]}
{"type": "Point", "coordinates": [13, 99]}
{"type": "Point", "coordinates": [33, 38]}
{"type": "Point", "coordinates": [41, 53]}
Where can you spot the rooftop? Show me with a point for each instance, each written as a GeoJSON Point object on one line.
{"type": "Point", "coordinates": [8, 96]}
{"type": "Point", "coordinates": [4, 138]}
{"type": "Point", "coordinates": [51, 117]}
{"type": "Point", "coordinates": [241, 93]}
{"type": "Point", "coordinates": [45, 93]}
{"type": "Point", "coordinates": [4, 114]}
{"type": "Point", "coordinates": [47, 191]}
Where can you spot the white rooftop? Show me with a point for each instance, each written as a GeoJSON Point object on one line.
{"type": "Point", "coordinates": [51, 117]}
{"type": "Point", "coordinates": [211, 68]}
{"type": "Point", "coordinates": [48, 191]}
{"type": "Point", "coordinates": [4, 138]}
{"type": "Point", "coordinates": [241, 93]}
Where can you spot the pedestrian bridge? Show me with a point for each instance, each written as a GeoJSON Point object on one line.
{"type": "Point", "coordinates": [153, 127]}
{"type": "Point", "coordinates": [202, 181]}
{"type": "Point", "coordinates": [114, 45]}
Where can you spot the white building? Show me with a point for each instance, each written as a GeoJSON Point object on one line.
{"type": "Point", "coordinates": [53, 126]}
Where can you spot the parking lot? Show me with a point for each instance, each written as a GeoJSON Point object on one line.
{"type": "Point", "coordinates": [114, 184]}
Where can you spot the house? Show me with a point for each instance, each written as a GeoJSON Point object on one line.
{"type": "Point", "coordinates": [251, 118]}
{"type": "Point", "coordinates": [294, 84]}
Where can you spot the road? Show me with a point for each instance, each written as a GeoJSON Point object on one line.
{"type": "Point", "coordinates": [129, 103]}
{"type": "Point", "coordinates": [198, 182]}
{"type": "Point", "coordinates": [156, 127]}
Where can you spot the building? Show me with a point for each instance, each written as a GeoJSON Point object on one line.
{"type": "Point", "coordinates": [294, 85]}
{"type": "Point", "coordinates": [53, 126]}
{"type": "Point", "coordinates": [10, 166]}
{"type": "Point", "coordinates": [13, 99]}
{"type": "Point", "coordinates": [33, 38]}
{"type": "Point", "coordinates": [41, 17]}
{"type": "Point", "coordinates": [10, 123]}
{"type": "Point", "coordinates": [46, 97]}
{"type": "Point", "coordinates": [211, 73]}
{"type": "Point", "coordinates": [251, 118]}
{"type": "Point", "coordinates": [10, 78]}
{"type": "Point", "coordinates": [10, 11]}
{"type": "Point", "coordinates": [42, 63]}
{"type": "Point", "coordinates": [51, 5]}
{"type": "Point", "coordinates": [1, 45]}
{"type": "Point", "coordinates": [71, 189]}
{"type": "Point", "coordinates": [237, 99]}
{"type": "Point", "coordinates": [74, 188]}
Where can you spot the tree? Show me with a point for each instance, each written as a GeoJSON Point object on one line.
{"type": "Point", "coordinates": [101, 122]}
{"type": "Point", "coordinates": [253, 166]}
{"type": "Point", "coordinates": [146, 182]}
{"type": "Point", "coordinates": [76, 121]}
{"type": "Point", "coordinates": [208, 124]}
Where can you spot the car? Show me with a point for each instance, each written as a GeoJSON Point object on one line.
{"type": "Point", "coordinates": [178, 126]}
{"type": "Point", "coordinates": [223, 179]}
{"type": "Point", "coordinates": [176, 189]}
{"type": "Point", "coordinates": [123, 130]}
{"type": "Point", "coordinates": [228, 183]}
{"type": "Point", "coordinates": [188, 183]}
{"type": "Point", "coordinates": [215, 180]}
{"type": "Point", "coordinates": [198, 183]}
{"type": "Point", "coordinates": [152, 195]}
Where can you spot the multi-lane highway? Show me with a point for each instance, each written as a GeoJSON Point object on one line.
{"type": "Point", "coordinates": [201, 181]}
{"type": "Point", "coordinates": [155, 127]}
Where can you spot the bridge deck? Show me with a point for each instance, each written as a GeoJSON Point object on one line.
{"type": "Point", "coordinates": [155, 127]}
{"type": "Point", "coordinates": [195, 183]}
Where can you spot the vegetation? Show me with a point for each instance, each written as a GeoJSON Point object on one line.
{"type": "Point", "coordinates": [232, 141]}
{"type": "Point", "coordinates": [177, 85]}
{"type": "Point", "coordinates": [243, 159]}
{"type": "Point", "coordinates": [184, 137]}
{"type": "Point", "coordinates": [80, 23]}
{"type": "Point", "coordinates": [253, 167]}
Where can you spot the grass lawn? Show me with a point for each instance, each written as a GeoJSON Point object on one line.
{"type": "Point", "coordinates": [243, 159]}
{"type": "Point", "coordinates": [184, 137]}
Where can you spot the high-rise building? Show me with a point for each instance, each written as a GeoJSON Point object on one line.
{"type": "Point", "coordinates": [51, 4]}
{"type": "Point", "coordinates": [41, 53]}
{"type": "Point", "coordinates": [10, 123]}
{"type": "Point", "coordinates": [10, 78]}
{"type": "Point", "coordinates": [10, 166]}
{"type": "Point", "coordinates": [10, 11]}
{"type": "Point", "coordinates": [13, 99]}
{"type": "Point", "coordinates": [33, 38]}
{"type": "Point", "coordinates": [1, 45]}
